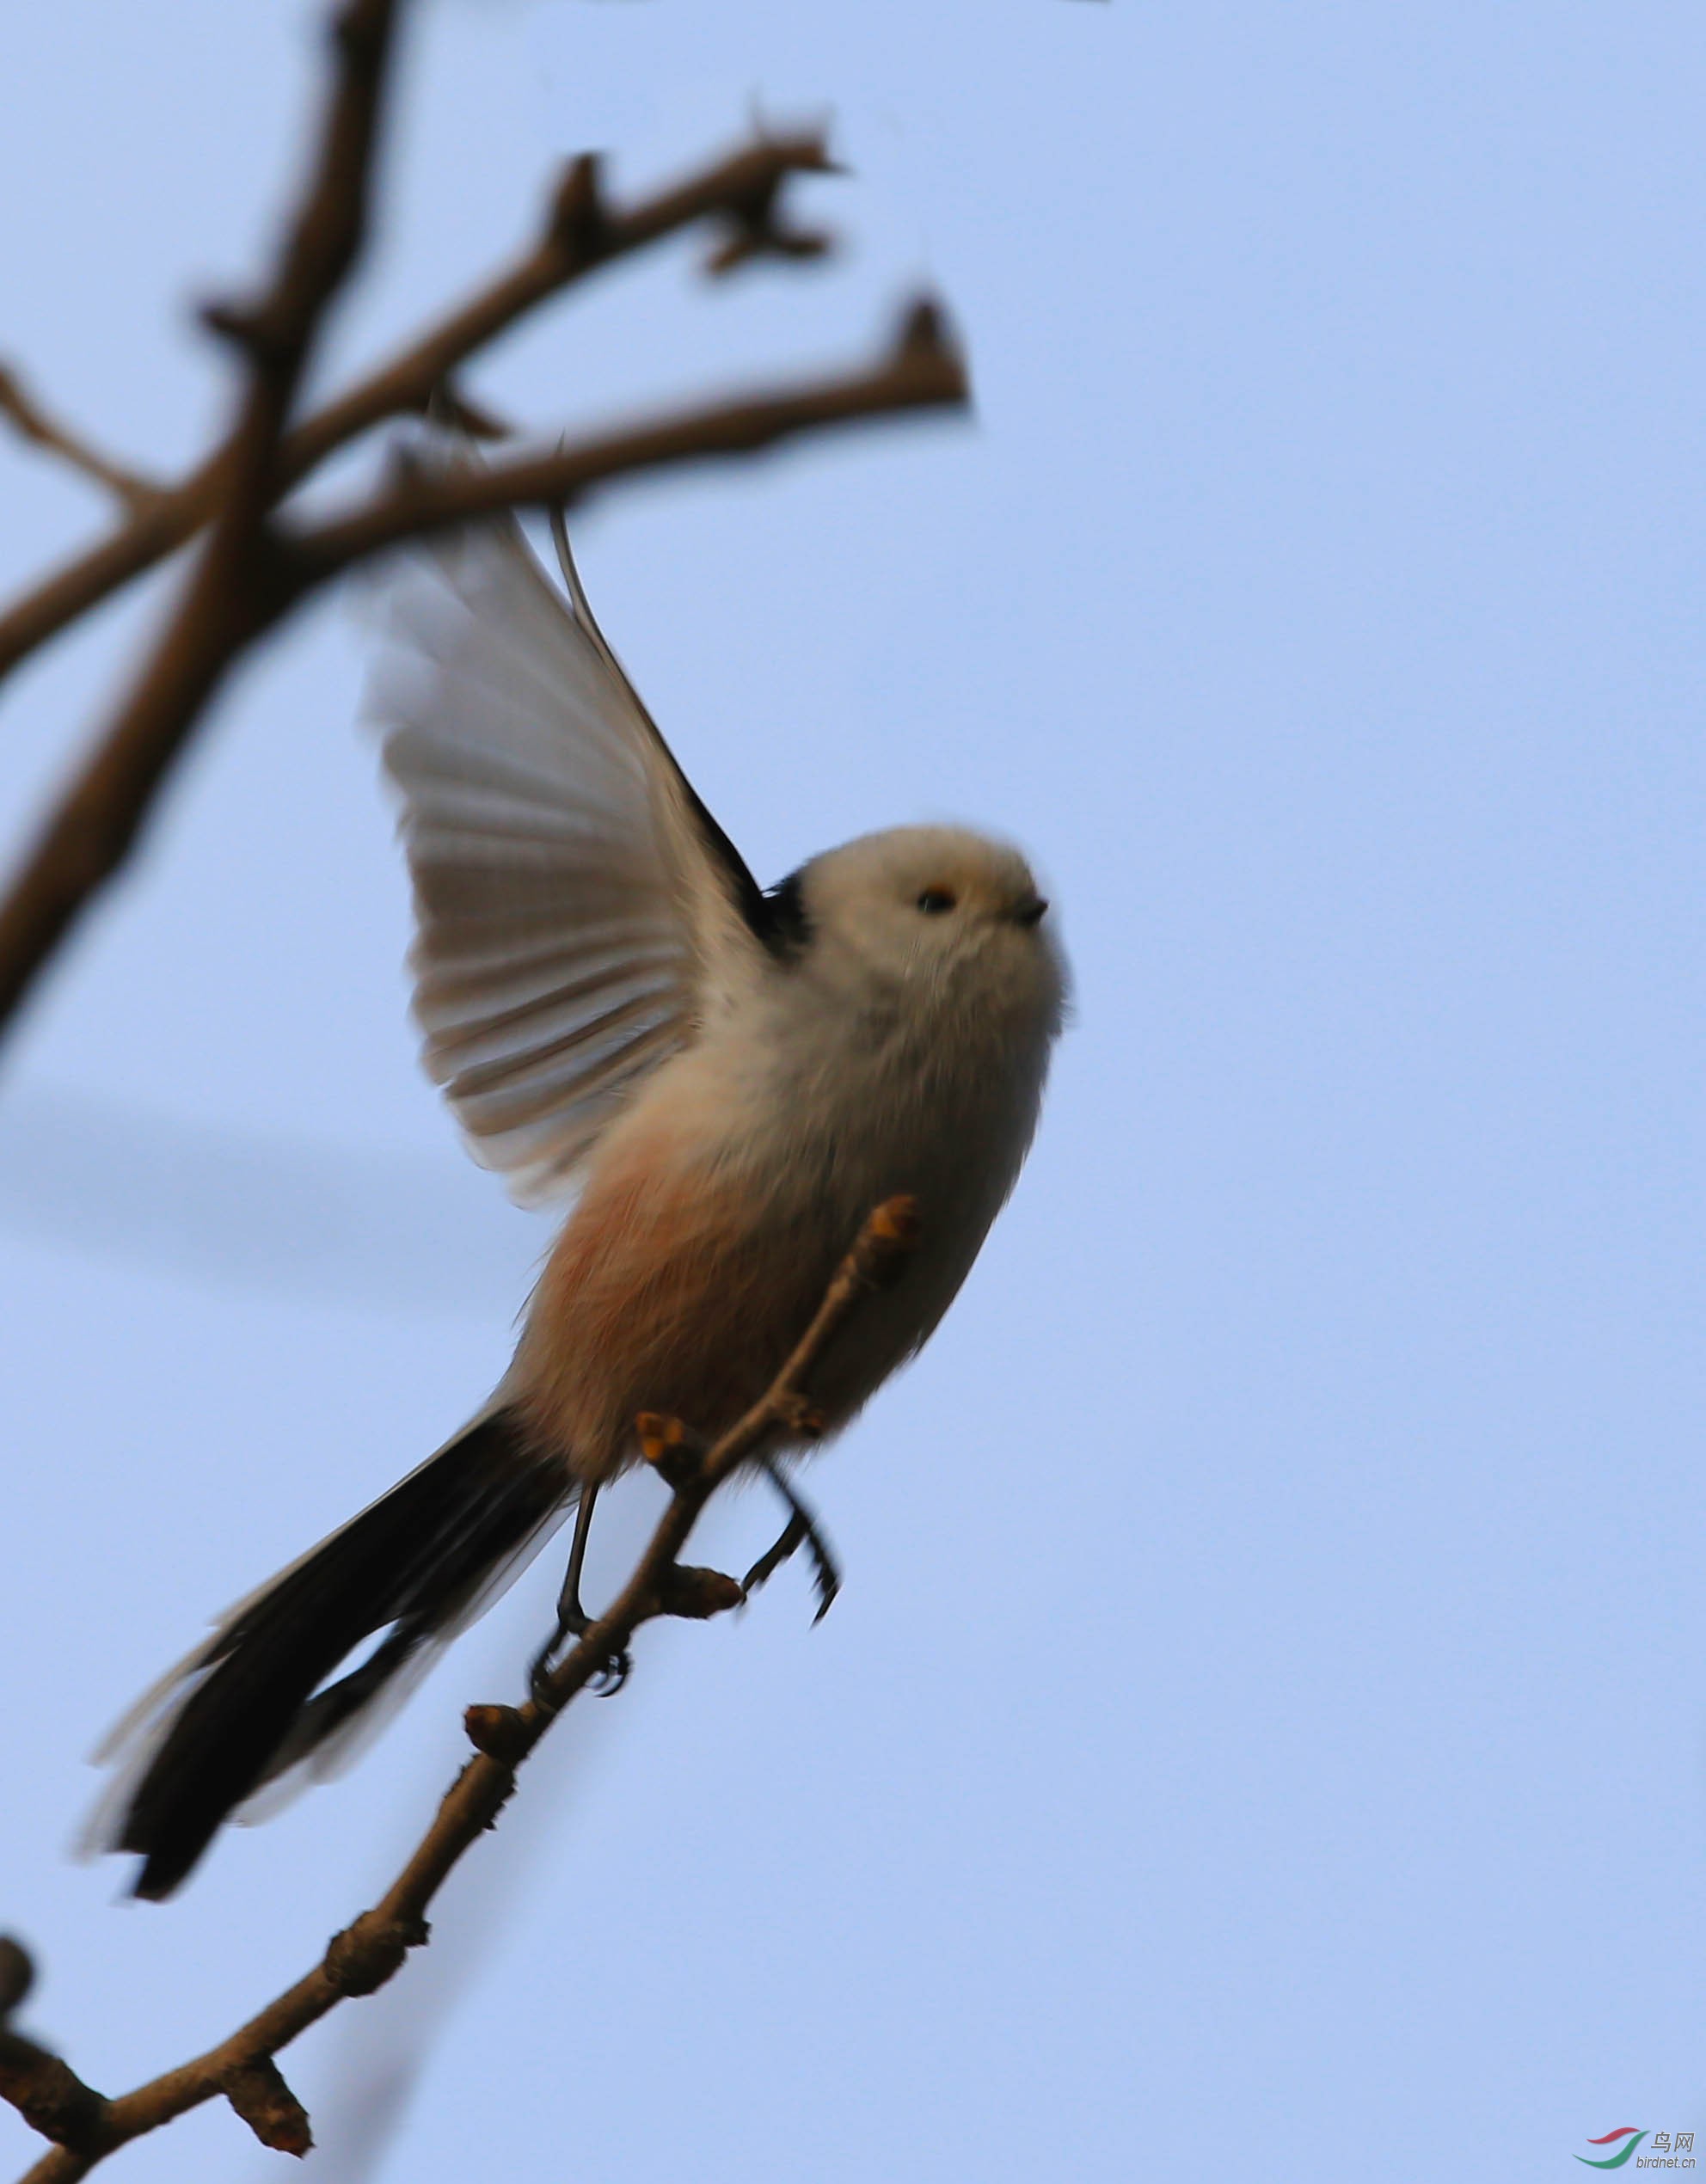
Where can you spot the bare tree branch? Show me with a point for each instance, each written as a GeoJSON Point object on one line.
{"type": "Point", "coordinates": [277, 334]}
{"type": "Point", "coordinates": [579, 235]}
{"type": "Point", "coordinates": [46, 2092]}
{"type": "Point", "coordinates": [215, 618]}
{"type": "Point", "coordinates": [373, 1949]}
{"type": "Point", "coordinates": [250, 577]}
{"type": "Point", "coordinates": [32, 422]}
{"type": "Point", "coordinates": [249, 573]}
{"type": "Point", "coordinates": [922, 371]}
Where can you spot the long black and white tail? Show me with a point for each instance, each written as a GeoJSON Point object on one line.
{"type": "Point", "coordinates": [253, 1705]}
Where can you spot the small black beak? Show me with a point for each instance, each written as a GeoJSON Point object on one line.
{"type": "Point", "coordinates": [1029, 913]}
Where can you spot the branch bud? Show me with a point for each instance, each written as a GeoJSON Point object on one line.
{"type": "Point", "coordinates": [674, 1453]}
{"type": "Point", "coordinates": [498, 1731]}
{"type": "Point", "coordinates": [360, 1960]}
{"type": "Point", "coordinates": [257, 2091]}
{"type": "Point", "coordinates": [887, 1240]}
{"type": "Point", "coordinates": [575, 219]}
{"type": "Point", "coordinates": [697, 1594]}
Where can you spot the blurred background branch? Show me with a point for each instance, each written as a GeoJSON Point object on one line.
{"type": "Point", "coordinates": [251, 571]}
{"type": "Point", "coordinates": [27, 417]}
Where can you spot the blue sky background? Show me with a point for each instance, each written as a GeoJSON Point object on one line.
{"type": "Point", "coordinates": [1262, 1729]}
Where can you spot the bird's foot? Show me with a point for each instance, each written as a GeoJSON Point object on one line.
{"type": "Point", "coordinates": [606, 1680]}
{"type": "Point", "coordinates": [801, 1530]}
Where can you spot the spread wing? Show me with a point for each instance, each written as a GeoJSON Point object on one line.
{"type": "Point", "coordinates": [580, 912]}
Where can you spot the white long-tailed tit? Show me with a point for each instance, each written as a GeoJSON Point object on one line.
{"type": "Point", "coordinates": [730, 1080]}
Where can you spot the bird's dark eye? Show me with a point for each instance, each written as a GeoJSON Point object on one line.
{"type": "Point", "coordinates": [935, 901]}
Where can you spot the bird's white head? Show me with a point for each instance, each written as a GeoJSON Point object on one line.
{"type": "Point", "coordinates": [936, 908]}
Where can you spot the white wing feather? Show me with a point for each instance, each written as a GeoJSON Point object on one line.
{"type": "Point", "coordinates": [576, 919]}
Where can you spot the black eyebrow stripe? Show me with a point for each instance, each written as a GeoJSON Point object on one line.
{"type": "Point", "coordinates": [790, 922]}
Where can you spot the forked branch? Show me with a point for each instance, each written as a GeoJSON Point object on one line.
{"type": "Point", "coordinates": [253, 568]}
{"type": "Point", "coordinates": [371, 1950]}
{"type": "Point", "coordinates": [252, 575]}
{"type": "Point", "coordinates": [580, 234]}
{"type": "Point", "coordinates": [32, 422]}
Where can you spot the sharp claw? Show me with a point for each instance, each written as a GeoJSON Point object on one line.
{"type": "Point", "coordinates": [609, 1680]}
{"type": "Point", "coordinates": [800, 1532]}
{"type": "Point", "coordinates": [606, 1680]}
{"type": "Point", "coordinates": [539, 1674]}
{"type": "Point", "coordinates": [770, 1563]}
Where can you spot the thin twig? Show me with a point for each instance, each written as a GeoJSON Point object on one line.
{"type": "Point", "coordinates": [32, 422]}
{"type": "Point", "coordinates": [216, 618]}
{"type": "Point", "coordinates": [579, 235]}
{"type": "Point", "coordinates": [371, 1950]}
{"type": "Point", "coordinates": [922, 371]}
{"type": "Point", "coordinates": [251, 577]}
